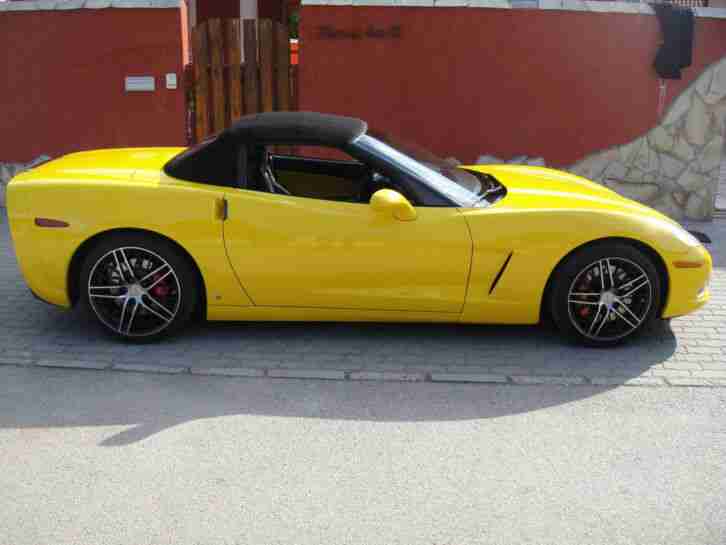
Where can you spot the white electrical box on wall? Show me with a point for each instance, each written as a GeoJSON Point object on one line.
{"type": "Point", "coordinates": [171, 81]}
{"type": "Point", "coordinates": [139, 83]}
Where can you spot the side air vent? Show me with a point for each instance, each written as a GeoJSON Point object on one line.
{"type": "Point", "coordinates": [501, 272]}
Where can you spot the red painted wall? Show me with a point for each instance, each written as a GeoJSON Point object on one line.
{"type": "Point", "coordinates": [62, 84]}
{"type": "Point", "coordinates": [467, 81]}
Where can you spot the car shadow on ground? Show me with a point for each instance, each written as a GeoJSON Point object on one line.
{"type": "Point", "coordinates": [147, 404]}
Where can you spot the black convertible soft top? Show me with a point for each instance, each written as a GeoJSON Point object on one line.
{"type": "Point", "coordinates": [215, 160]}
{"type": "Point", "coordinates": [297, 128]}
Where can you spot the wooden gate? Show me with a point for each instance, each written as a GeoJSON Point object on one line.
{"type": "Point", "coordinates": [223, 87]}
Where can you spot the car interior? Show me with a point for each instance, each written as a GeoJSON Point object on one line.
{"type": "Point", "coordinates": [298, 170]}
{"type": "Point", "coordinates": [310, 172]}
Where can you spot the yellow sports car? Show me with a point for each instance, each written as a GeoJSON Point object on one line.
{"type": "Point", "coordinates": [306, 216]}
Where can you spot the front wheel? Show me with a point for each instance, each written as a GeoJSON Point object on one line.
{"type": "Point", "coordinates": [138, 287]}
{"type": "Point", "coordinates": [605, 294]}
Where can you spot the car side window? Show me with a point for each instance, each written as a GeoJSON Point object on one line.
{"type": "Point", "coordinates": [318, 172]}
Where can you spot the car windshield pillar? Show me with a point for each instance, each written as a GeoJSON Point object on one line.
{"type": "Point", "coordinates": [432, 179]}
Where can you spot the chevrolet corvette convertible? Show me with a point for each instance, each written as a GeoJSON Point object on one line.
{"type": "Point", "coordinates": [307, 216]}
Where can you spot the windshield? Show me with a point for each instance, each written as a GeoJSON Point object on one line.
{"type": "Point", "coordinates": [457, 184]}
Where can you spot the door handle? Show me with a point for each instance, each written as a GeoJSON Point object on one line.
{"type": "Point", "coordinates": [221, 209]}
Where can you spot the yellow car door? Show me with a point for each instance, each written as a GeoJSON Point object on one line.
{"type": "Point", "coordinates": [311, 253]}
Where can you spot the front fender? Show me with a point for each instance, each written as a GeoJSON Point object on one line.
{"type": "Point", "coordinates": [538, 240]}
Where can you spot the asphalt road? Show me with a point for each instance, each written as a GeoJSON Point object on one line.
{"type": "Point", "coordinates": [91, 457]}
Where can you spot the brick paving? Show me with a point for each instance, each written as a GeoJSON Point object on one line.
{"type": "Point", "coordinates": [691, 351]}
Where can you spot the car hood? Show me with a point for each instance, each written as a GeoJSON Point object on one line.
{"type": "Point", "coordinates": [539, 187]}
{"type": "Point", "coordinates": [143, 164]}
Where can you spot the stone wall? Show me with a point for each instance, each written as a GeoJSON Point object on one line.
{"type": "Point", "coordinates": [8, 170]}
{"type": "Point", "coordinates": [674, 167]}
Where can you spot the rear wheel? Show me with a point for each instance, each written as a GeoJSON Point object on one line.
{"type": "Point", "coordinates": [605, 294]}
{"type": "Point", "coordinates": [138, 287]}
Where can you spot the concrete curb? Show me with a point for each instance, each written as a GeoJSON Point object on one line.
{"type": "Point", "coordinates": [398, 376]}
{"type": "Point", "coordinates": [143, 368]}
{"type": "Point", "coordinates": [535, 379]}
{"type": "Point", "coordinates": [97, 366]}
{"type": "Point", "coordinates": [228, 372]}
{"type": "Point", "coordinates": [374, 376]}
{"type": "Point", "coordinates": [320, 374]}
{"type": "Point", "coordinates": [469, 377]}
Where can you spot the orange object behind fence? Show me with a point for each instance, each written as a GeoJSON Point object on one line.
{"type": "Point", "coordinates": [294, 52]}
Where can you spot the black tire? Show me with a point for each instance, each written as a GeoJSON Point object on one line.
{"type": "Point", "coordinates": [166, 301]}
{"type": "Point", "coordinates": [596, 300]}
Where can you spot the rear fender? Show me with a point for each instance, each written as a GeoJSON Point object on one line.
{"type": "Point", "coordinates": [183, 214]}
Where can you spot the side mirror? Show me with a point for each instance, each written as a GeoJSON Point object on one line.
{"type": "Point", "coordinates": [392, 203]}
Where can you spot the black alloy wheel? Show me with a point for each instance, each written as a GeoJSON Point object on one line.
{"type": "Point", "coordinates": [138, 287]}
{"type": "Point", "coordinates": [605, 294]}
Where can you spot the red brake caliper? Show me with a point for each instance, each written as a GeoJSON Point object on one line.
{"type": "Point", "coordinates": [585, 310]}
{"type": "Point", "coordinates": [161, 289]}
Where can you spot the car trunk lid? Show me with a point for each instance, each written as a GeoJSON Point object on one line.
{"type": "Point", "coordinates": [123, 164]}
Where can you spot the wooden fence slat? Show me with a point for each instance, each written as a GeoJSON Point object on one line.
{"type": "Point", "coordinates": [189, 100]}
{"type": "Point", "coordinates": [282, 76]}
{"type": "Point", "coordinates": [267, 81]}
{"type": "Point", "coordinates": [252, 79]}
{"type": "Point", "coordinates": [224, 88]}
{"type": "Point", "coordinates": [216, 47]}
{"type": "Point", "coordinates": [201, 82]}
{"type": "Point", "coordinates": [233, 58]}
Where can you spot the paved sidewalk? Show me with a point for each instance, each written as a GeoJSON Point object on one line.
{"type": "Point", "coordinates": [689, 352]}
